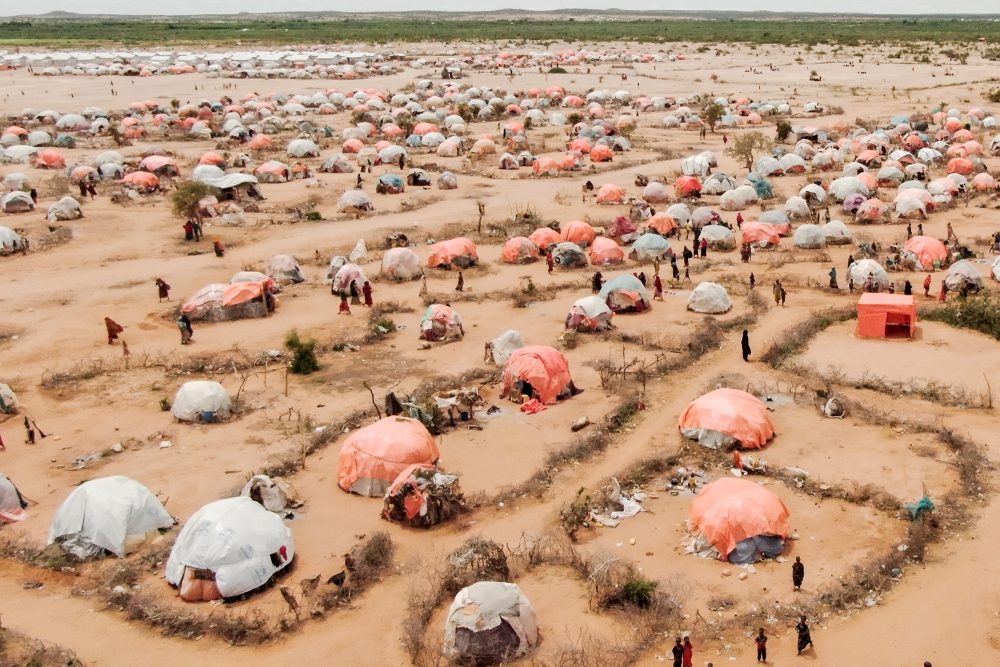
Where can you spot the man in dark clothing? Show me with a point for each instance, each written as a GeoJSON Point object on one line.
{"type": "Point", "coordinates": [678, 652]}
{"type": "Point", "coordinates": [673, 268]}
{"type": "Point", "coordinates": [833, 278]}
{"type": "Point", "coordinates": [686, 255]}
{"type": "Point", "coordinates": [597, 282]}
{"type": "Point", "coordinates": [31, 440]}
{"type": "Point", "coordinates": [850, 260]}
{"type": "Point", "coordinates": [798, 573]}
{"type": "Point", "coordinates": [907, 288]}
{"type": "Point", "coordinates": [745, 344]}
{"type": "Point", "coordinates": [805, 639]}
{"type": "Point", "coordinates": [642, 278]}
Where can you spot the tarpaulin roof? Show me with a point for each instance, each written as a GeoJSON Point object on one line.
{"type": "Point", "coordinates": [733, 412]}
{"type": "Point", "coordinates": [730, 510]}
{"type": "Point", "coordinates": [876, 310]}
{"type": "Point", "coordinates": [544, 368]}
{"type": "Point", "coordinates": [372, 457]}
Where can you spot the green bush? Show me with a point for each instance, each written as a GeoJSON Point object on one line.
{"type": "Point", "coordinates": [303, 353]}
{"type": "Point", "coordinates": [557, 70]}
{"type": "Point", "coordinates": [782, 131]}
{"type": "Point", "coordinates": [979, 313]}
{"type": "Point", "coordinates": [639, 592]}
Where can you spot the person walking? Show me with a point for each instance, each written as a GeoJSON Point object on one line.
{"type": "Point", "coordinates": [920, 229]}
{"type": "Point", "coordinates": [798, 573]}
{"type": "Point", "coordinates": [423, 285]}
{"type": "Point", "coordinates": [220, 250]}
{"type": "Point", "coordinates": [704, 248]}
{"type": "Point", "coordinates": [805, 638]}
{"type": "Point", "coordinates": [688, 653]}
{"type": "Point", "coordinates": [833, 278]}
{"type": "Point", "coordinates": [30, 434]}
{"type": "Point", "coordinates": [114, 330]}
{"type": "Point", "coordinates": [550, 261]}
{"type": "Point", "coordinates": [674, 271]}
{"type": "Point", "coordinates": [366, 291]}
{"type": "Point", "coordinates": [927, 286]}
{"type": "Point", "coordinates": [355, 294]}
{"type": "Point", "coordinates": [784, 294]}
{"type": "Point", "coordinates": [753, 280]}
{"type": "Point", "coordinates": [184, 324]}
{"type": "Point", "coordinates": [943, 295]}
{"type": "Point", "coordinates": [761, 646]}
{"type": "Point", "coordinates": [850, 260]}
{"type": "Point", "coordinates": [658, 286]}
{"type": "Point", "coordinates": [460, 286]}
{"type": "Point", "coordinates": [907, 288]}
{"type": "Point", "coordinates": [909, 230]}
{"type": "Point", "coordinates": [163, 289]}
{"type": "Point", "coordinates": [678, 652]}
{"type": "Point", "coordinates": [776, 292]}
{"type": "Point", "coordinates": [345, 308]}
{"type": "Point", "coordinates": [745, 344]}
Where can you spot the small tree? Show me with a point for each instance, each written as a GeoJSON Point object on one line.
{"type": "Point", "coordinates": [713, 114]}
{"type": "Point", "coordinates": [184, 201]}
{"type": "Point", "coordinates": [746, 146]}
{"type": "Point", "coordinates": [782, 132]}
{"type": "Point", "coordinates": [303, 353]}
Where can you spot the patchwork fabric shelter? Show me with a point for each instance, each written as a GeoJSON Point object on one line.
{"type": "Point", "coordinates": [373, 457]}
{"type": "Point", "coordinates": [490, 622]}
{"type": "Point", "coordinates": [726, 416]}
{"type": "Point", "coordinates": [882, 315]}
{"type": "Point", "coordinates": [461, 252]}
{"type": "Point", "coordinates": [539, 371]}
{"type": "Point", "coordinates": [201, 399]}
{"type": "Point", "coordinates": [742, 519]}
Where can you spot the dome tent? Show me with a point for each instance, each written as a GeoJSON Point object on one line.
{"type": "Point", "coordinates": [8, 399]}
{"type": "Point", "coordinates": [401, 264]}
{"type": "Point", "coordinates": [606, 252]}
{"type": "Point", "coordinates": [836, 232]}
{"type": "Point", "coordinates": [569, 255]}
{"type": "Point", "coordinates": [928, 252]}
{"type": "Point", "coordinates": [504, 345]}
{"type": "Point", "coordinates": [12, 503]}
{"type": "Point", "coordinates": [102, 514]}
{"type": "Point", "coordinates": [741, 519]}
{"type": "Point", "coordinates": [199, 399]}
{"type": "Point", "coordinates": [458, 251]}
{"type": "Point", "coordinates": [625, 293]}
{"type": "Point", "coordinates": [489, 622]}
{"type": "Point", "coordinates": [285, 270]}
{"type": "Point", "coordinates": [709, 298]}
{"type": "Point", "coordinates": [719, 237]}
{"type": "Point", "coordinates": [650, 246]}
{"type": "Point", "coordinates": [227, 548]}
{"type": "Point", "coordinates": [962, 273]}
{"type": "Point", "coordinates": [726, 416]}
{"type": "Point", "coordinates": [519, 250]}
{"type": "Point", "coordinates": [810, 236]}
{"type": "Point", "coordinates": [591, 313]}
{"type": "Point", "coordinates": [440, 323]}
{"type": "Point", "coordinates": [859, 271]}
{"type": "Point", "coordinates": [373, 456]}
{"type": "Point", "coordinates": [538, 371]}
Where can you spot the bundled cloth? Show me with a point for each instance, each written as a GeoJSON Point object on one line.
{"type": "Point", "coordinates": [422, 496]}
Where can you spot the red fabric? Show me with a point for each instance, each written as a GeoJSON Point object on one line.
{"type": "Point", "coordinates": [532, 407]}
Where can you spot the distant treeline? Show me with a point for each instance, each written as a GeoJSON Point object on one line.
{"type": "Point", "coordinates": [59, 33]}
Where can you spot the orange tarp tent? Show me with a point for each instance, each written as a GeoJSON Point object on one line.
{"type": "Point", "coordinates": [544, 237]}
{"type": "Point", "coordinates": [445, 252]}
{"type": "Point", "coordinates": [544, 368]}
{"type": "Point", "coordinates": [373, 457]}
{"type": "Point", "coordinates": [731, 510]}
{"type": "Point", "coordinates": [519, 250]}
{"type": "Point", "coordinates": [735, 413]}
{"type": "Point", "coordinates": [880, 315]}
{"type": "Point", "coordinates": [578, 232]}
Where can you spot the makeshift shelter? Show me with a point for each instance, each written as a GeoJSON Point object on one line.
{"type": "Point", "coordinates": [459, 251]}
{"type": "Point", "coordinates": [273, 493]}
{"type": "Point", "coordinates": [650, 246]}
{"type": "Point", "coordinates": [358, 200]}
{"type": "Point", "coordinates": [625, 294]}
{"type": "Point", "coordinates": [743, 520]}
{"type": "Point", "coordinates": [285, 270]}
{"type": "Point", "coordinates": [724, 417]}
{"type": "Point", "coordinates": [12, 503]}
{"type": "Point", "coordinates": [719, 237]}
{"type": "Point", "coordinates": [809, 236]}
{"type": "Point", "coordinates": [227, 548]}
{"type": "Point", "coordinates": [8, 400]}
{"type": "Point", "coordinates": [441, 323]}
{"type": "Point", "coordinates": [489, 622]}
{"type": "Point", "coordinates": [578, 232]}
{"type": "Point", "coordinates": [401, 264]}
{"type": "Point", "coordinates": [545, 238]}
{"type": "Point", "coordinates": [609, 193]}
{"type": "Point", "coordinates": [107, 514]}
{"type": "Point", "coordinates": [759, 234]}
{"type": "Point", "coordinates": [591, 313]}
{"type": "Point", "coordinates": [606, 252]}
{"type": "Point", "coordinates": [389, 184]}
{"type": "Point", "coordinates": [569, 256]}
{"type": "Point", "coordinates": [372, 457]}
{"type": "Point", "coordinates": [963, 275]}
{"type": "Point", "coordinates": [203, 400]}
{"type": "Point", "coordinates": [709, 298]}
{"type": "Point", "coordinates": [537, 371]}
{"type": "Point", "coordinates": [862, 268]}
{"type": "Point", "coordinates": [928, 253]}
{"type": "Point", "coordinates": [422, 496]}
{"type": "Point", "coordinates": [883, 315]}
{"type": "Point", "coordinates": [447, 181]}
{"type": "Point", "coordinates": [504, 345]}
{"type": "Point", "coordinates": [9, 240]}
{"type": "Point", "coordinates": [221, 301]}
{"type": "Point", "coordinates": [519, 250]}
{"type": "Point", "coordinates": [16, 202]}
{"type": "Point", "coordinates": [66, 208]}
{"type": "Point", "coordinates": [836, 233]}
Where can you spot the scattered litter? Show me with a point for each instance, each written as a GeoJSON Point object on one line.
{"type": "Point", "coordinates": [85, 461]}
{"type": "Point", "coordinates": [29, 585]}
{"type": "Point", "coordinates": [916, 509]}
{"type": "Point", "coordinates": [580, 424]}
{"type": "Point", "coordinates": [835, 408]}
{"type": "Point", "coordinates": [684, 479]}
{"type": "Point", "coordinates": [165, 444]}
{"type": "Point", "coordinates": [117, 448]}
{"type": "Point", "coordinates": [630, 506]}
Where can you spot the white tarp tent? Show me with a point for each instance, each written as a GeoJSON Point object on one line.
{"type": "Point", "coordinates": [199, 397]}
{"type": "Point", "coordinates": [401, 264]}
{"type": "Point", "coordinates": [489, 622]}
{"type": "Point", "coordinates": [103, 514]}
{"type": "Point", "coordinates": [709, 298]}
{"type": "Point", "coordinates": [242, 543]}
{"type": "Point", "coordinates": [504, 345]}
{"type": "Point", "coordinates": [12, 503]}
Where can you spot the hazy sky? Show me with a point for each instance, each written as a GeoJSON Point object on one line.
{"type": "Point", "coordinates": [11, 7]}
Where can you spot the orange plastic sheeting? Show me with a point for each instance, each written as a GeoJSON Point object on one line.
{"type": "Point", "coordinates": [578, 232]}
{"type": "Point", "coordinates": [605, 252]}
{"type": "Point", "coordinates": [730, 510]}
{"type": "Point", "coordinates": [601, 154]}
{"type": "Point", "coordinates": [543, 367]}
{"type": "Point", "coordinates": [928, 250]}
{"type": "Point", "coordinates": [51, 159]}
{"type": "Point", "coordinates": [662, 223]}
{"type": "Point", "coordinates": [142, 179]}
{"type": "Point", "coordinates": [686, 185]}
{"type": "Point", "coordinates": [877, 312]}
{"type": "Point", "coordinates": [544, 165]}
{"type": "Point", "coordinates": [383, 450]}
{"type": "Point", "coordinates": [236, 294]}
{"type": "Point", "coordinates": [543, 237]}
{"type": "Point", "coordinates": [519, 249]}
{"type": "Point", "coordinates": [733, 412]}
{"type": "Point", "coordinates": [609, 193]}
{"type": "Point", "coordinates": [445, 252]}
{"type": "Point", "coordinates": [760, 232]}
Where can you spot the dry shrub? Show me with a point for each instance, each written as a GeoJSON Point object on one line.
{"type": "Point", "coordinates": [18, 649]}
{"type": "Point", "coordinates": [369, 561]}
{"type": "Point", "coordinates": [478, 559]}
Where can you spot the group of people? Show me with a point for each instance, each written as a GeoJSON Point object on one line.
{"type": "Point", "coordinates": [356, 296]}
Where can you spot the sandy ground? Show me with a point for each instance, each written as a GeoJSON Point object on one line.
{"type": "Point", "coordinates": [53, 303]}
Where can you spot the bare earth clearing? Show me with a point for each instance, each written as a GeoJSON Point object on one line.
{"type": "Point", "coordinates": [53, 302]}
